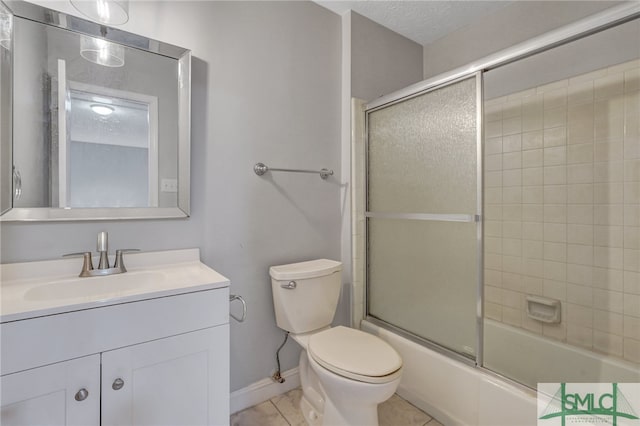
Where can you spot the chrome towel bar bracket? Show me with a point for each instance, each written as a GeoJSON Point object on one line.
{"type": "Point", "coordinates": [261, 168]}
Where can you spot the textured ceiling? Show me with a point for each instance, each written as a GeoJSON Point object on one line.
{"type": "Point", "coordinates": [420, 21]}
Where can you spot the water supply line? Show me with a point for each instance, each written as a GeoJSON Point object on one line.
{"type": "Point", "coordinates": [277, 377]}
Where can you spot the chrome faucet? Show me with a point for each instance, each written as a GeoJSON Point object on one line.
{"type": "Point", "coordinates": [103, 264]}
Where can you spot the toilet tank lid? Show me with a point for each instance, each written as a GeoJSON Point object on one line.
{"type": "Point", "coordinates": [301, 270]}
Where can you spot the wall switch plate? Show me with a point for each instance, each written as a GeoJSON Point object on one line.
{"type": "Point", "coordinates": [169, 185]}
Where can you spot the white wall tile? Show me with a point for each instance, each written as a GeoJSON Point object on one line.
{"type": "Point", "coordinates": [579, 234]}
{"type": "Point", "coordinates": [556, 252]}
{"type": "Point", "coordinates": [609, 322]}
{"type": "Point", "coordinates": [608, 236]}
{"type": "Point", "coordinates": [533, 230]}
{"type": "Point", "coordinates": [556, 136]}
{"type": "Point", "coordinates": [580, 193]}
{"type": "Point", "coordinates": [580, 214]}
{"type": "Point", "coordinates": [608, 86]}
{"type": "Point", "coordinates": [554, 289]}
{"type": "Point", "coordinates": [555, 156]}
{"type": "Point", "coordinates": [512, 125]}
{"type": "Point", "coordinates": [579, 294]}
{"type": "Point", "coordinates": [607, 343]}
{"type": "Point", "coordinates": [532, 158]}
{"type": "Point", "coordinates": [555, 194]}
{"type": "Point", "coordinates": [611, 301]}
{"type": "Point", "coordinates": [608, 214]}
{"type": "Point", "coordinates": [580, 173]}
{"type": "Point", "coordinates": [631, 260]}
{"type": "Point", "coordinates": [607, 257]}
{"type": "Point", "coordinates": [580, 254]}
{"type": "Point", "coordinates": [581, 315]}
{"type": "Point", "coordinates": [580, 92]}
{"type": "Point", "coordinates": [631, 215]}
{"type": "Point", "coordinates": [632, 350]}
{"type": "Point", "coordinates": [555, 175]}
{"type": "Point", "coordinates": [555, 117]}
{"type": "Point", "coordinates": [631, 327]}
{"type": "Point", "coordinates": [632, 305]}
{"type": "Point", "coordinates": [532, 176]}
{"type": "Point", "coordinates": [532, 194]}
{"type": "Point", "coordinates": [556, 271]}
{"type": "Point", "coordinates": [555, 213]}
{"type": "Point", "coordinates": [632, 80]}
{"type": "Point", "coordinates": [580, 335]}
{"type": "Point", "coordinates": [580, 274]}
{"type": "Point", "coordinates": [511, 195]}
{"type": "Point", "coordinates": [532, 285]}
{"type": "Point", "coordinates": [532, 140]}
{"type": "Point", "coordinates": [608, 279]}
{"type": "Point", "coordinates": [512, 177]}
{"type": "Point", "coordinates": [555, 232]}
{"type": "Point", "coordinates": [608, 172]}
{"type": "Point", "coordinates": [512, 143]}
{"type": "Point", "coordinates": [564, 168]}
{"type": "Point", "coordinates": [631, 282]}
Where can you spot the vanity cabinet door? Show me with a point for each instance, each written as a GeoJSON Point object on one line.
{"type": "Point", "coordinates": [179, 380]}
{"type": "Point", "coordinates": [66, 393]}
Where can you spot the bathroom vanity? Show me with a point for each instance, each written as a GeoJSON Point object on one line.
{"type": "Point", "coordinates": [147, 347]}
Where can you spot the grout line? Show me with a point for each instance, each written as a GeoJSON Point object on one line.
{"type": "Point", "coordinates": [280, 412]}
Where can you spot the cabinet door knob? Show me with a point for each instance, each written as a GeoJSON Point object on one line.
{"type": "Point", "coordinates": [82, 394]}
{"type": "Point", "coordinates": [117, 384]}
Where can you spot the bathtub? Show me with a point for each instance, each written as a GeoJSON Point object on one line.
{"type": "Point", "coordinates": [459, 394]}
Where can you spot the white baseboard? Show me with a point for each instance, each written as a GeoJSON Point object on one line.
{"type": "Point", "coordinates": [263, 390]}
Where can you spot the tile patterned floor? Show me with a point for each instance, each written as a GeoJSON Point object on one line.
{"type": "Point", "coordinates": [283, 410]}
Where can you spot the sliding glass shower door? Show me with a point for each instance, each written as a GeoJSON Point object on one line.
{"type": "Point", "coordinates": [423, 211]}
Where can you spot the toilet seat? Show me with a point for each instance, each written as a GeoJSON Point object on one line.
{"type": "Point", "coordinates": [355, 354]}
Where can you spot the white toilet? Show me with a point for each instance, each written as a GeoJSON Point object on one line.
{"type": "Point", "coordinates": [345, 373]}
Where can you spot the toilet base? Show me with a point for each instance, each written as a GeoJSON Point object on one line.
{"type": "Point", "coordinates": [347, 407]}
{"type": "Point", "coordinates": [310, 414]}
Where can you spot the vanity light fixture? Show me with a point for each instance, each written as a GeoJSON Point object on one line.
{"type": "Point", "coordinates": [101, 52]}
{"type": "Point", "coordinates": [103, 110]}
{"type": "Point", "coordinates": [110, 12]}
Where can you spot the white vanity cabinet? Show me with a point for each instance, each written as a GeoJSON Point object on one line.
{"type": "Point", "coordinates": [172, 381]}
{"type": "Point", "coordinates": [154, 358]}
{"type": "Point", "coordinates": [47, 395]}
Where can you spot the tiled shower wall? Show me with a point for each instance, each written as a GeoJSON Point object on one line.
{"type": "Point", "coordinates": [562, 208]}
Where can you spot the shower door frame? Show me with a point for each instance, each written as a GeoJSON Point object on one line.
{"type": "Point", "coordinates": [476, 218]}
{"type": "Point", "coordinates": [602, 21]}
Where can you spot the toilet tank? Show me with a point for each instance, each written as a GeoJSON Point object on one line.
{"type": "Point", "coordinates": [305, 294]}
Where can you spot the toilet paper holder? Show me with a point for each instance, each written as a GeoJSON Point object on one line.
{"type": "Point", "coordinates": [234, 297]}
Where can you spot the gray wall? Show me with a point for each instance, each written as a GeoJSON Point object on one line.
{"type": "Point", "coordinates": [382, 61]}
{"type": "Point", "coordinates": [266, 87]}
{"type": "Point", "coordinates": [510, 25]}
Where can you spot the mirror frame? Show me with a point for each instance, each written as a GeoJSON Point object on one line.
{"type": "Point", "coordinates": [32, 12]}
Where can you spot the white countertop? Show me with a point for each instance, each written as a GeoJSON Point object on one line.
{"type": "Point", "coordinates": [34, 289]}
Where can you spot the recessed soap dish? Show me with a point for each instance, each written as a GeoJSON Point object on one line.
{"type": "Point", "coordinates": [543, 309]}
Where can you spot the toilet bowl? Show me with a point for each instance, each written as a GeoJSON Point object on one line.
{"type": "Point", "coordinates": [344, 373]}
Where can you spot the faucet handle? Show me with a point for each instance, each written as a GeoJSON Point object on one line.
{"type": "Point", "coordinates": [78, 254]}
{"type": "Point", "coordinates": [87, 264]}
{"type": "Point", "coordinates": [119, 259]}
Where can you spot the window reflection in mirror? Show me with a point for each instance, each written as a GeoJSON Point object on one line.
{"type": "Point", "coordinates": [115, 133]}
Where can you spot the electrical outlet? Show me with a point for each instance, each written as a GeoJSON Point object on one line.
{"type": "Point", "coordinates": [169, 185]}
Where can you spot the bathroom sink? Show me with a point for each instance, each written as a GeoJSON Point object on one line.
{"type": "Point", "coordinates": [96, 287]}
{"type": "Point", "coordinates": [48, 287]}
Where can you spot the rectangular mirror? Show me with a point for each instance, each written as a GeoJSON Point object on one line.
{"type": "Point", "coordinates": [99, 120]}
